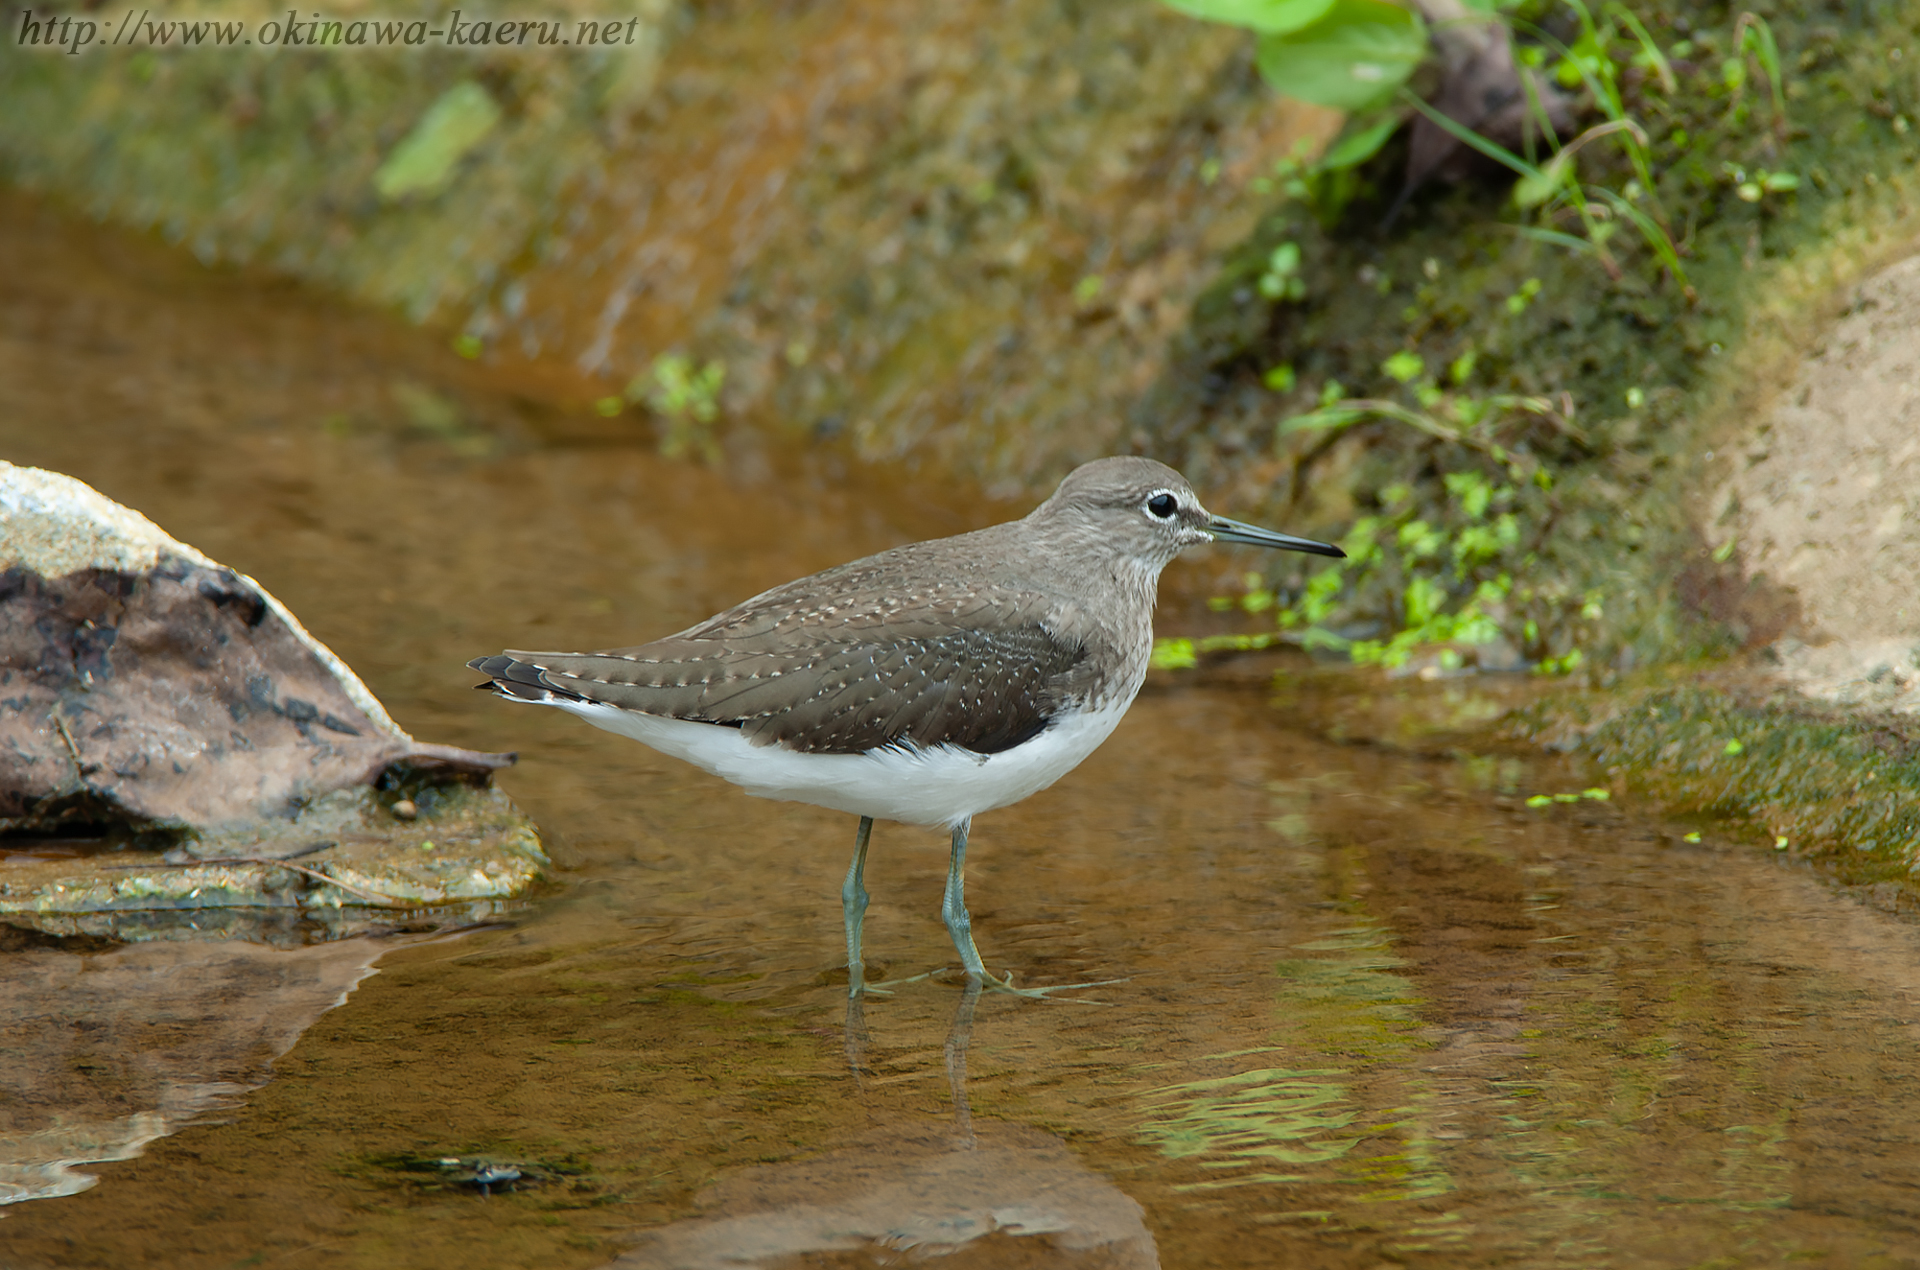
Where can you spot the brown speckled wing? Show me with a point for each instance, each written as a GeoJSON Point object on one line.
{"type": "Point", "coordinates": [872, 665]}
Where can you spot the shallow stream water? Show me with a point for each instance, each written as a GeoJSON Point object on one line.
{"type": "Point", "coordinates": [1368, 1006]}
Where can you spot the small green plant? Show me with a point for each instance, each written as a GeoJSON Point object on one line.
{"type": "Point", "coordinates": [1437, 583]}
{"type": "Point", "coordinates": [1282, 280]}
{"type": "Point", "coordinates": [1358, 55]}
{"type": "Point", "coordinates": [686, 399]}
{"type": "Point", "coordinates": [1517, 303]}
{"type": "Point", "coordinates": [1403, 367]}
{"type": "Point", "coordinates": [1554, 187]}
{"type": "Point", "coordinates": [428, 158]}
{"type": "Point", "coordinates": [1755, 186]}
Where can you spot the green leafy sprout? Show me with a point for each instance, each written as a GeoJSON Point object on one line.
{"type": "Point", "coordinates": [1282, 280]}
{"type": "Point", "coordinates": [686, 399]}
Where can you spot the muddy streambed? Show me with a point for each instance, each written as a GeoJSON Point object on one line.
{"type": "Point", "coordinates": [1371, 1007]}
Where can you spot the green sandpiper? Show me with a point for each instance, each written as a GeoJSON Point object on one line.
{"type": "Point", "coordinates": [925, 684]}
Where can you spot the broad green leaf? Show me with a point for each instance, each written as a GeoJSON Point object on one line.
{"type": "Point", "coordinates": [424, 161]}
{"type": "Point", "coordinates": [1354, 58]}
{"type": "Point", "coordinates": [1268, 16]}
{"type": "Point", "coordinates": [1356, 149]}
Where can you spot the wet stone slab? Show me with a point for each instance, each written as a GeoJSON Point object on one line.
{"type": "Point", "coordinates": [468, 853]}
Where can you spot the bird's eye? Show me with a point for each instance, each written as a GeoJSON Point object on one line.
{"type": "Point", "coordinates": [1163, 506]}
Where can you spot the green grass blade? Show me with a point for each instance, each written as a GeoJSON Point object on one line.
{"type": "Point", "coordinates": [1556, 238]}
{"type": "Point", "coordinates": [1604, 94]}
{"type": "Point", "coordinates": [1325, 419]}
{"type": "Point", "coordinates": [1467, 136]}
{"type": "Point", "coordinates": [1752, 29]}
{"type": "Point", "coordinates": [1652, 50]}
{"type": "Point", "coordinates": [1650, 230]}
{"type": "Point", "coordinates": [1605, 89]}
{"type": "Point", "coordinates": [1608, 97]}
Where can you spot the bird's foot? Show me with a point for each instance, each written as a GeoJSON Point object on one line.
{"type": "Point", "coordinates": [885, 987]}
{"type": "Point", "coordinates": [988, 981]}
{"type": "Point", "coordinates": [997, 983]}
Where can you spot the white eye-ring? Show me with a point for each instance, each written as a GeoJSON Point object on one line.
{"type": "Point", "coordinates": [1163, 504]}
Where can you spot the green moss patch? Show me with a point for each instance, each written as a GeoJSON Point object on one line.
{"type": "Point", "coordinates": [1813, 780]}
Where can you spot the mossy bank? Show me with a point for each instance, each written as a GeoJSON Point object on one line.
{"type": "Point", "coordinates": [1008, 241]}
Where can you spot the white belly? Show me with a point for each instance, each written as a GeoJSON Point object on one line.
{"type": "Point", "coordinates": [939, 786]}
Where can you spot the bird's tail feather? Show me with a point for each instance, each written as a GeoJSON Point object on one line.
{"type": "Point", "coordinates": [517, 680]}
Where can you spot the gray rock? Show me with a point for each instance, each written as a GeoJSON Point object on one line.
{"type": "Point", "coordinates": [141, 681]}
{"type": "Point", "coordinates": [158, 696]}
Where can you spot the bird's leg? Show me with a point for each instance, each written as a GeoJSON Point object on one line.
{"type": "Point", "coordinates": [953, 905]}
{"type": "Point", "coordinates": [953, 910]}
{"type": "Point", "coordinates": [853, 905]}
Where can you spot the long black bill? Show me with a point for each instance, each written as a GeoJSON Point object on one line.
{"type": "Point", "coordinates": [1224, 530]}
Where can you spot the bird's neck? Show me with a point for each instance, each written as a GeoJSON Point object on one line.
{"type": "Point", "coordinates": [1112, 611]}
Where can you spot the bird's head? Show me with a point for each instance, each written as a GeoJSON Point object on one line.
{"type": "Point", "coordinates": [1147, 512]}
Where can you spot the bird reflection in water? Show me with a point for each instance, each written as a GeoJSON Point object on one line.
{"type": "Point", "coordinates": [994, 1195]}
